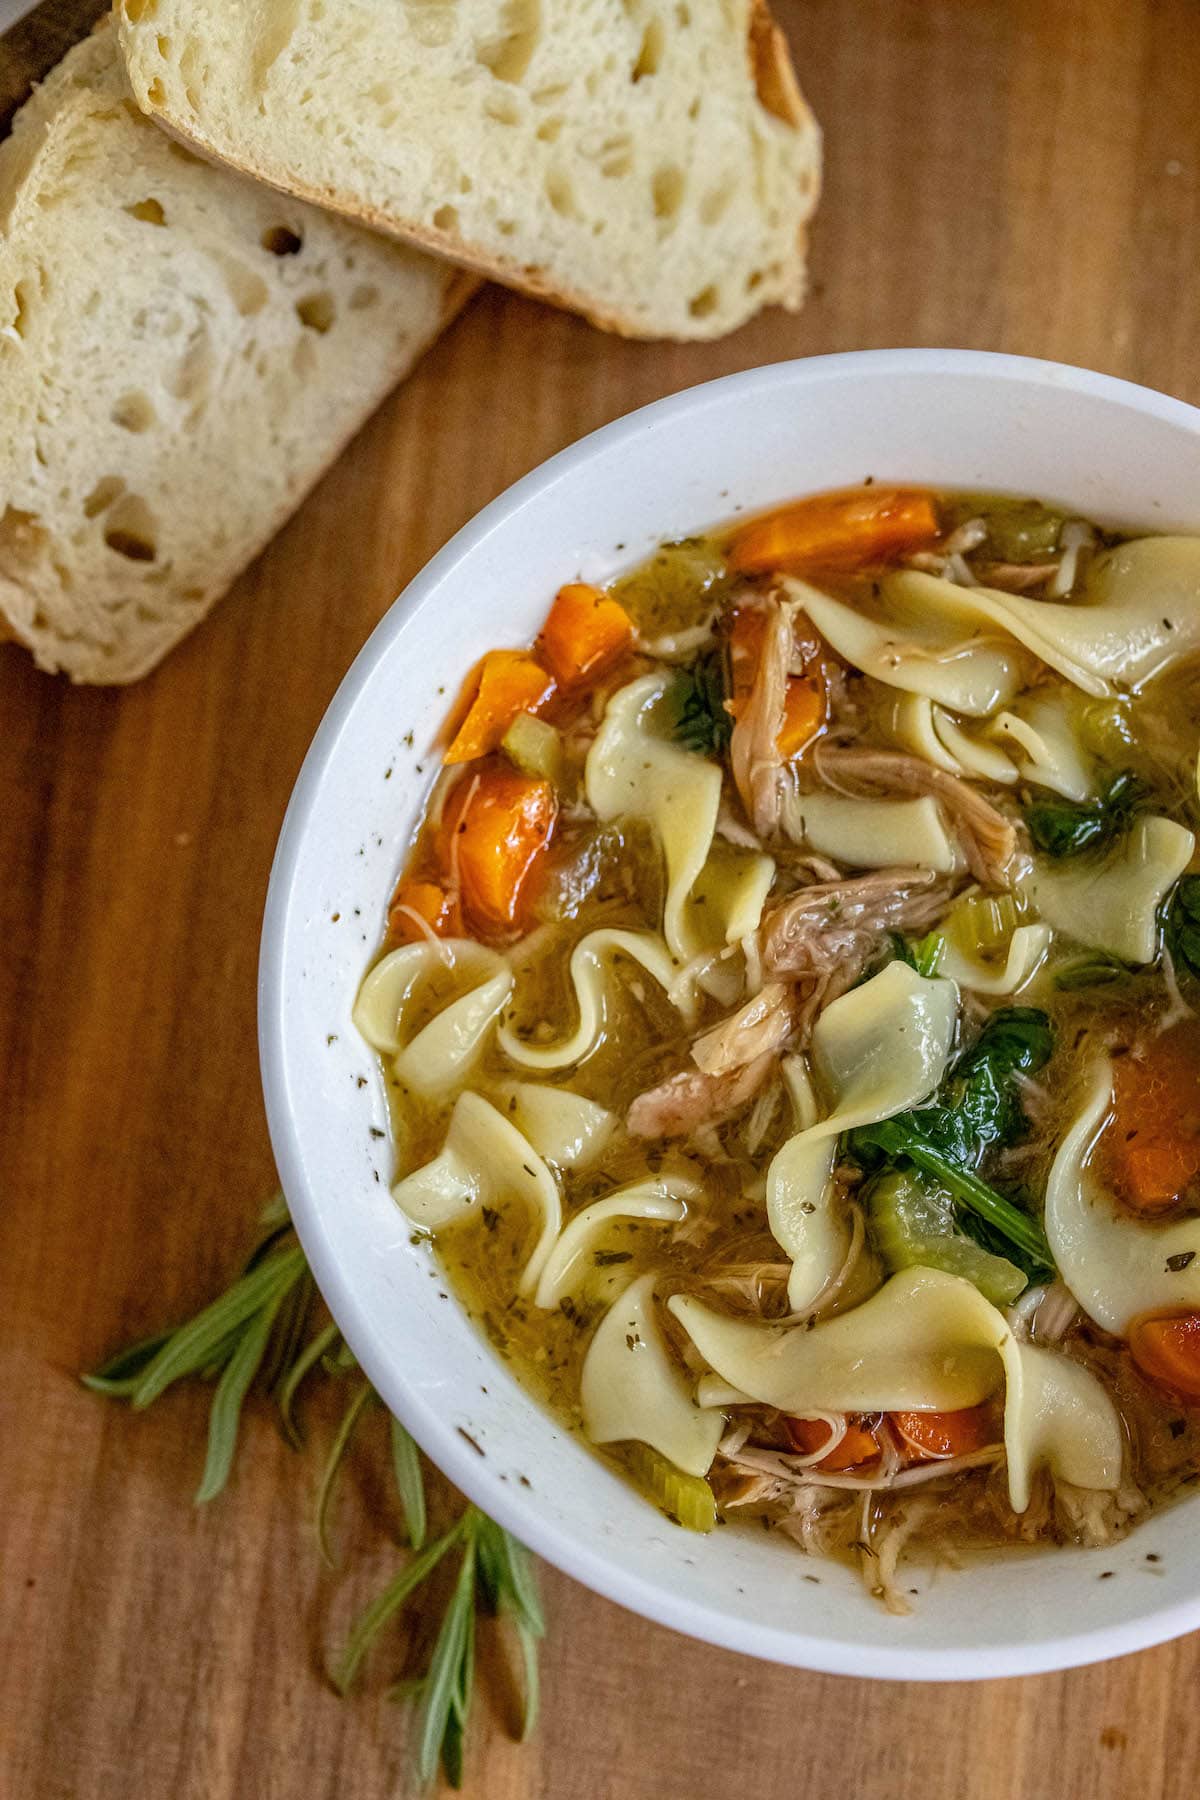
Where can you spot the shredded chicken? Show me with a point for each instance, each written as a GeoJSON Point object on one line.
{"type": "Point", "coordinates": [987, 837]}
{"type": "Point", "coordinates": [824, 936]}
{"type": "Point", "coordinates": [753, 752]}
{"type": "Point", "coordinates": [762, 1024]}
{"type": "Point", "coordinates": [1017, 578]}
{"type": "Point", "coordinates": [680, 1105]}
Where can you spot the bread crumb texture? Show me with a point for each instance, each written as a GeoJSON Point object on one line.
{"type": "Point", "coordinates": [182, 352]}
{"type": "Point", "coordinates": [650, 163]}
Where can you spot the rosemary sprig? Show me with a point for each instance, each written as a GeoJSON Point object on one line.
{"type": "Point", "coordinates": [260, 1333]}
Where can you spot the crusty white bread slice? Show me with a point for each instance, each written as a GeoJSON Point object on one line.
{"type": "Point", "coordinates": [182, 352]}
{"type": "Point", "coordinates": [649, 163]}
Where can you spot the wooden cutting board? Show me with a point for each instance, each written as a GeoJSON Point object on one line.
{"type": "Point", "coordinates": [1021, 177]}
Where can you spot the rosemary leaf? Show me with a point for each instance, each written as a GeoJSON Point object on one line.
{"type": "Point", "coordinates": [528, 1641]}
{"type": "Point", "coordinates": [122, 1373]}
{"type": "Point", "coordinates": [521, 1586]}
{"type": "Point", "coordinates": [307, 1360]}
{"type": "Point", "coordinates": [368, 1625]}
{"type": "Point", "coordinates": [190, 1349]}
{"type": "Point", "coordinates": [337, 1452]}
{"type": "Point", "coordinates": [226, 1412]}
{"type": "Point", "coordinates": [290, 1327]}
{"type": "Point", "coordinates": [442, 1684]}
{"type": "Point", "coordinates": [410, 1484]}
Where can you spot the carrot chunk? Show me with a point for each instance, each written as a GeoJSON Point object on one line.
{"type": "Point", "coordinates": [427, 901]}
{"type": "Point", "coordinates": [510, 682]}
{"type": "Point", "coordinates": [1166, 1348]}
{"type": "Point", "coordinates": [585, 633]}
{"type": "Point", "coordinates": [837, 533]}
{"type": "Point", "coordinates": [930, 1435]}
{"type": "Point", "coordinates": [806, 705]}
{"type": "Point", "coordinates": [1153, 1142]}
{"type": "Point", "coordinates": [495, 831]}
{"type": "Point", "coordinates": [860, 1444]}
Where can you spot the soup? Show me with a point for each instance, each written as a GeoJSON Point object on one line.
{"type": "Point", "coordinates": [790, 1015]}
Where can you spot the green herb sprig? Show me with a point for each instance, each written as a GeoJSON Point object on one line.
{"type": "Point", "coordinates": [1182, 932]}
{"type": "Point", "coordinates": [977, 1110]}
{"type": "Point", "coordinates": [260, 1334]}
{"type": "Point", "coordinates": [1068, 827]}
{"type": "Point", "coordinates": [695, 703]}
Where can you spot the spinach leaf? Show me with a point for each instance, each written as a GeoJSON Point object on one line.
{"type": "Point", "coordinates": [1183, 925]}
{"type": "Point", "coordinates": [695, 702]}
{"type": "Point", "coordinates": [1066, 827]}
{"type": "Point", "coordinates": [979, 1109]}
{"type": "Point", "coordinates": [922, 954]}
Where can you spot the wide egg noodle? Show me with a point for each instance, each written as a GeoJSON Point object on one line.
{"type": "Point", "coordinates": [923, 635]}
{"type": "Point", "coordinates": [801, 1198]}
{"type": "Point", "coordinates": [1141, 613]}
{"type": "Point", "coordinates": [588, 970]}
{"type": "Point", "coordinates": [1039, 734]}
{"type": "Point", "coordinates": [632, 1390]}
{"type": "Point", "coordinates": [485, 1161]}
{"type": "Point", "coordinates": [440, 1055]}
{"type": "Point", "coordinates": [925, 1342]}
{"type": "Point", "coordinates": [883, 1047]}
{"type": "Point", "coordinates": [1026, 949]}
{"type": "Point", "coordinates": [871, 834]}
{"type": "Point", "coordinates": [1116, 1266]}
{"type": "Point", "coordinates": [972, 756]}
{"type": "Point", "coordinates": [1112, 904]}
{"type": "Point", "coordinates": [715, 893]}
{"type": "Point", "coordinates": [567, 1130]}
{"type": "Point", "coordinates": [659, 1200]}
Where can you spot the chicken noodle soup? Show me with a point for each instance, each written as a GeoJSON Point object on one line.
{"type": "Point", "coordinates": [789, 1012]}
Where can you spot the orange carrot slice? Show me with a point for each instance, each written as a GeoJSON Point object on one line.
{"type": "Point", "coordinates": [496, 829]}
{"type": "Point", "coordinates": [510, 682]}
{"type": "Point", "coordinates": [584, 634]}
{"type": "Point", "coordinates": [1166, 1348]}
{"type": "Point", "coordinates": [837, 533]}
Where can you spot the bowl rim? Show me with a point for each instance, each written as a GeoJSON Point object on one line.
{"type": "Point", "coordinates": [438, 1438]}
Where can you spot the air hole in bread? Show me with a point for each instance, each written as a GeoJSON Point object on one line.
{"type": "Point", "coordinates": [164, 47]}
{"type": "Point", "coordinates": [318, 311]}
{"type": "Point", "coordinates": [509, 54]}
{"type": "Point", "coordinates": [667, 189]}
{"type": "Point", "coordinates": [704, 303]}
{"type": "Point", "coordinates": [139, 9]}
{"type": "Point", "coordinates": [304, 358]}
{"type": "Point", "coordinates": [23, 318]}
{"type": "Point", "coordinates": [561, 194]}
{"type": "Point", "coordinates": [134, 411]}
{"type": "Point", "coordinates": [714, 204]}
{"type": "Point", "coordinates": [549, 129]}
{"type": "Point", "coordinates": [192, 376]}
{"type": "Point", "coordinates": [754, 281]}
{"type": "Point", "coordinates": [618, 164]}
{"type": "Point", "coordinates": [281, 240]}
{"type": "Point", "coordinates": [445, 218]}
{"type": "Point", "coordinates": [106, 490]}
{"type": "Point", "coordinates": [365, 295]}
{"type": "Point", "coordinates": [132, 530]}
{"type": "Point", "coordinates": [506, 227]}
{"type": "Point", "coordinates": [23, 537]}
{"type": "Point", "coordinates": [649, 56]}
{"type": "Point", "coordinates": [683, 17]}
{"type": "Point", "coordinates": [156, 93]}
{"type": "Point", "coordinates": [694, 107]}
{"type": "Point", "coordinates": [383, 93]}
{"type": "Point", "coordinates": [247, 289]}
{"type": "Point", "coordinates": [503, 109]}
{"type": "Point", "coordinates": [149, 211]}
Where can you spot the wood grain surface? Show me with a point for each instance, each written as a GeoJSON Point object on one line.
{"type": "Point", "coordinates": [1020, 176]}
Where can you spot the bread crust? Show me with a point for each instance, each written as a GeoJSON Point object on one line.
{"type": "Point", "coordinates": [778, 89]}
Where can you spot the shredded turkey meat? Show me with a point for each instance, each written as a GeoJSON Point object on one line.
{"type": "Point", "coordinates": [753, 751]}
{"type": "Point", "coordinates": [685, 1102]}
{"type": "Point", "coordinates": [762, 1024]}
{"type": "Point", "coordinates": [987, 838]}
{"type": "Point", "coordinates": [823, 937]}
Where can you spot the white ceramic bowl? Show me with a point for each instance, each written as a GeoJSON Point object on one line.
{"type": "Point", "coordinates": [1115, 452]}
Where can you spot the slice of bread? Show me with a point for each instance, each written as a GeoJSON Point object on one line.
{"type": "Point", "coordinates": [649, 163]}
{"type": "Point", "coordinates": [182, 352]}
